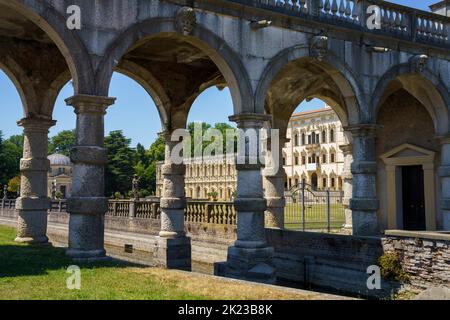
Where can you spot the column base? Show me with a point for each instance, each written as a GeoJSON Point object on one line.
{"type": "Point", "coordinates": [32, 227]}
{"type": "Point", "coordinates": [365, 223]}
{"type": "Point", "coordinates": [33, 240]}
{"type": "Point", "coordinates": [251, 264]}
{"type": "Point", "coordinates": [173, 253]}
{"type": "Point", "coordinates": [87, 256]}
{"type": "Point", "coordinates": [86, 234]}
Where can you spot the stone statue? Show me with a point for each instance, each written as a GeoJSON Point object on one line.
{"type": "Point", "coordinates": [5, 192]}
{"type": "Point", "coordinates": [135, 187]}
{"type": "Point", "coordinates": [53, 190]}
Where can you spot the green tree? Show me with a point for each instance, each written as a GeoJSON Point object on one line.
{"type": "Point", "coordinates": [121, 162]}
{"type": "Point", "coordinates": [62, 142]}
{"type": "Point", "coordinates": [10, 154]}
{"type": "Point", "coordinates": [146, 167]}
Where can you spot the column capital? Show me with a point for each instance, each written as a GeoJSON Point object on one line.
{"type": "Point", "coordinates": [250, 120]}
{"type": "Point", "coordinates": [444, 139]}
{"type": "Point", "coordinates": [36, 124]}
{"type": "Point", "coordinates": [363, 129]}
{"type": "Point", "coordinates": [90, 104]}
{"type": "Point", "coordinates": [347, 149]}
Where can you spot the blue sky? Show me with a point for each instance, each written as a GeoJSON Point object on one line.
{"type": "Point", "coordinates": [134, 111]}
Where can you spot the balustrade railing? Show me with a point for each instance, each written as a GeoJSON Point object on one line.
{"type": "Point", "coordinates": [372, 16]}
{"type": "Point", "coordinates": [8, 204]}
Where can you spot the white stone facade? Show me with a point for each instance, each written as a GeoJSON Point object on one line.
{"type": "Point", "coordinates": [60, 173]}
{"type": "Point", "coordinates": [313, 154]}
{"type": "Point", "coordinates": [319, 156]}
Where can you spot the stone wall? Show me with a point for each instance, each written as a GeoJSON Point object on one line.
{"type": "Point", "coordinates": [425, 257]}
{"type": "Point", "coordinates": [312, 260]}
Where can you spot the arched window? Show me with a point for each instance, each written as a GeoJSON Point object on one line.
{"type": "Point", "coordinates": [303, 139]}
{"type": "Point", "coordinates": [324, 137]}
{"type": "Point", "coordinates": [332, 135]}
{"type": "Point", "coordinates": [296, 140]}
{"type": "Point", "coordinates": [324, 158]}
{"type": "Point", "coordinates": [333, 158]}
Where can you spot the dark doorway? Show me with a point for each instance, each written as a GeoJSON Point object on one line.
{"type": "Point", "coordinates": [63, 190]}
{"type": "Point", "coordinates": [314, 181]}
{"type": "Point", "coordinates": [413, 198]}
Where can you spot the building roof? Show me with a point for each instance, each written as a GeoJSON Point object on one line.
{"type": "Point", "coordinates": [59, 160]}
{"type": "Point", "coordinates": [310, 113]}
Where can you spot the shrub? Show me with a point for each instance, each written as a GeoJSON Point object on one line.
{"type": "Point", "coordinates": [391, 268]}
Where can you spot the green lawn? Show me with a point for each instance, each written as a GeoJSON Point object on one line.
{"type": "Point", "coordinates": [36, 272]}
{"type": "Point", "coordinates": [315, 216]}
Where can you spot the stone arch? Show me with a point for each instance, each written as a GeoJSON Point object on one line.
{"type": "Point", "coordinates": [21, 82]}
{"type": "Point", "coordinates": [425, 86]}
{"type": "Point", "coordinates": [331, 65]}
{"type": "Point", "coordinates": [202, 38]}
{"type": "Point", "coordinates": [46, 17]}
{"type": "Point", "coordinates": [151, 85]}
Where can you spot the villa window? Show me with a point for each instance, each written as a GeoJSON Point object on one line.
{"type": "Point", "coordinates": [303, 139]}
{"type": "Point", "coordinates": [324, 158]}
{"type": "Point", "coordinates": [303, 160]}
{"type": "Point", "coordinates": [332, 182]}
{"type": "Point", "coordinates": [333, 158]}
{"type": "Point", "coordinates": [296, 140]}
{"type": "Point", "coordinates": [332, 135]}
{"type": "Point", "coordinates": [324, 137]}
{"type": "Point", "coordinates": [324, 182]}
{"type": "Point", "coordinates": [296, 160]}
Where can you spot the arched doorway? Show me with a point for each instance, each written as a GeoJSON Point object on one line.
{"type": "Point", "coordinates": [314, 181]}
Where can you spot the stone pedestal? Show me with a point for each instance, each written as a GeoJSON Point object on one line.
{"type": "Point", "coordinates": [88, 204]}
{"type": "Point", "coordinates": [348, 184]}
{"type": "Point", "coordinates": [364, 203]}
{"type": "Point", "coordinates": [173, 253]}
{"type": "Point", "coordinates": [33, 203]}
{"type": "Point", "coordinates": [444, 173]}
{"type": "Point", "coordinates": [251, 257]}
{"type": "Point", "coordinates": [174, 248]}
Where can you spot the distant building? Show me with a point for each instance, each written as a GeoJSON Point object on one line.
{"type": "Point", "coordinates": [313, 154]}
{"type": "Point", "coordinates": [212, 175]}
{"type": "Point", "coordinates": [60, 175]}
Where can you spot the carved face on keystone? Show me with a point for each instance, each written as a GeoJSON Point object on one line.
{"type": "Point", "coordinates": [185, 21]}
{"type": "Point", "coordinates": [319, 46]}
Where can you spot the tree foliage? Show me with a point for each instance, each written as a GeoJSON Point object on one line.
{"type": "Point", "coordinates": [62, 142]}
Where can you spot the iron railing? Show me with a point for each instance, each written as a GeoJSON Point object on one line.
{"type": "Point", "coordinates": [311, 209]}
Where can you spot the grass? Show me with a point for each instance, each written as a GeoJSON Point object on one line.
{"type": "Point", "coordinates": [39, 272]}
{"type": "Point", "coordinates": [315, 216]}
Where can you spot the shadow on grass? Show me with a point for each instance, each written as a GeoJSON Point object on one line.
{"type": "Point", "coordinates": [29, 260]}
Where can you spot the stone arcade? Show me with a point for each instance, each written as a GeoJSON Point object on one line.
{"type": "Point", "coordinates": [389, 87]}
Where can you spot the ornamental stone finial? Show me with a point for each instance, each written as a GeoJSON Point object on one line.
{"type": "Point", "coordinates": [419, 62]}
{"type": "Point", "coordinates": [319, 47]}
{"type": "Point", "coordinates": [185, 21]}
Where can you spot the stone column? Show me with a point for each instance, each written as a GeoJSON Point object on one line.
{"type": "Point", "coordinates": [444, 173]}
{"type": "Point", "coordinates": [347, 150]}
{"type": "Point", "coordinates": [173, 249]}
{"type": "Point", "coordinates": [275, 176]}
{"type": "Point", "coordinates": [88, 204]}
{"type": "Point", "coordinates": [250, 257]}
{"type": "Point", "coordinates": [33, 204]}
{"type": "Point", "coordinates": [364, 203]}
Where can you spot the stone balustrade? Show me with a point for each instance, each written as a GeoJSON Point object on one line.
{"type": "Point", "coordinates": [395, 20]}
{"type": "Point", "coordinates": [196, 211]}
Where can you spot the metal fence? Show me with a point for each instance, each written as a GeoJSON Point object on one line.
{"type": "Point", "coordinates": [310, 209]}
